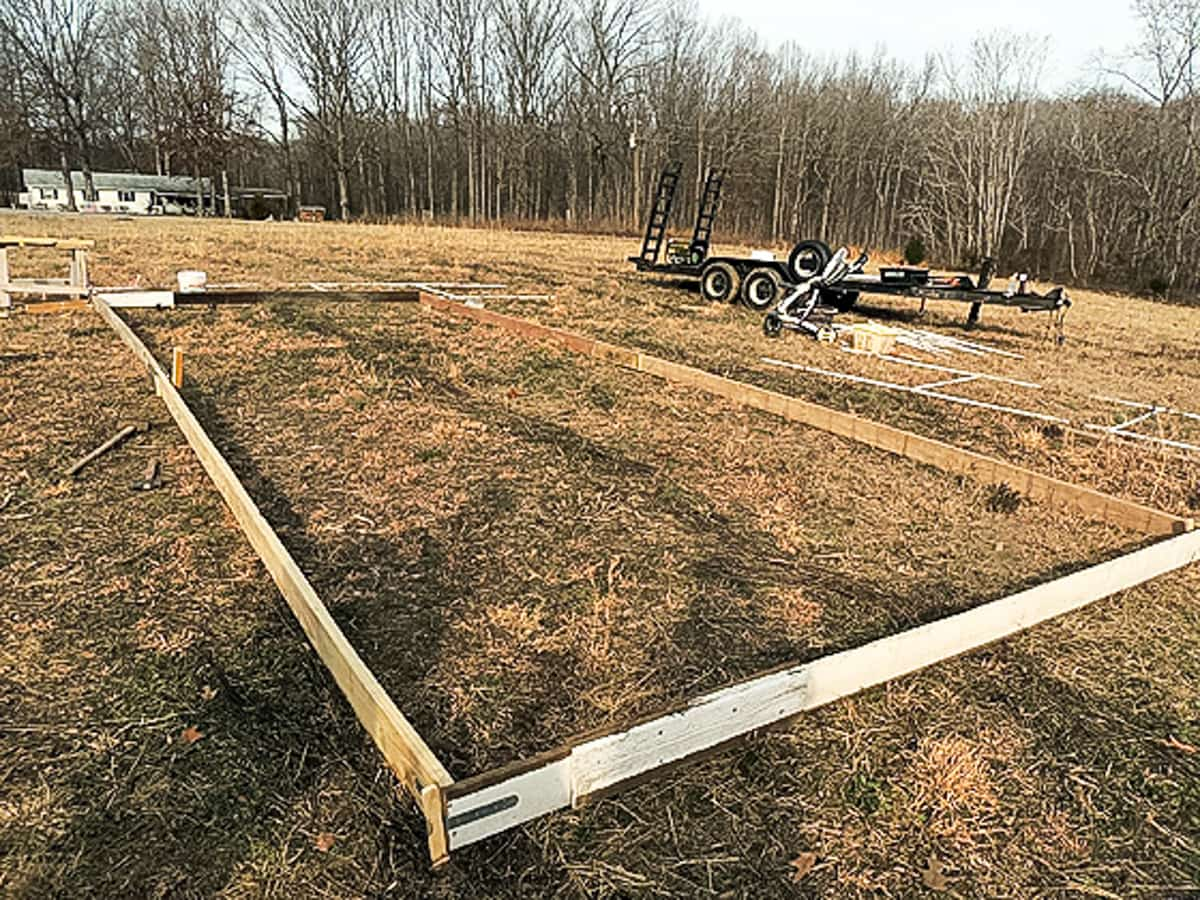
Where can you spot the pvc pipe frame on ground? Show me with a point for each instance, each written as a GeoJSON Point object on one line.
{"type": "Point", "coordinates": [460, 813]}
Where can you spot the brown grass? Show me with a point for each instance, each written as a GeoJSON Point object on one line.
{"type": "Point", "coordinates": [524, 544]}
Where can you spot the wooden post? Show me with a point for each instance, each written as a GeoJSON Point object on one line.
{"type": "Point", "coordinates": [177, 367]}
{"type": "Point", "coordinates": [986, 270]}
{"type": "Point", "coordinates": [79, 270]}
{"type": "Point", "coordinates": [5, 296]}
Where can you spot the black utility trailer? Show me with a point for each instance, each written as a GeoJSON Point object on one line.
{"type": "Point", "coordinates": [756, 282]}
{"type": "Point", "coordinates": [760, 281]}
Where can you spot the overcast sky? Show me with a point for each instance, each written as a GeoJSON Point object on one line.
{"type": "Point", "coordinates": [1077, 28]}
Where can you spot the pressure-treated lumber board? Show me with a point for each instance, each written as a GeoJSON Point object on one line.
{"type": "Point", "coordinates": [533, 331]}
{"type": "Point", "coordinates": [13, 240]}
{"type": "Point", "coordinates": [488, 804]}
{"type": "Point", "coordinates": [1104, 507]}
{"type": "Point", "coordinates": [402, 747]}
{"type": "Point", "coordinates": [44, 288]}
{"type": "Point", "coordinates": [218, 297]}
{"type": "Point", "coordinates": [51, 307]}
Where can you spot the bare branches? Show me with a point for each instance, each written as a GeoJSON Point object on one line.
{"type": "Point", "coordinates": [566, 110]}
{"type": "Point", "coordinates": [1167, 50]}
{"type": "Point", "coordinates": [327, 54]}
{"type": "Point", "coordinates": [61, 41]}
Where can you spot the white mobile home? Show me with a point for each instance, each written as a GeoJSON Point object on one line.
{"type": "Point", "coordinates": [119, 192]}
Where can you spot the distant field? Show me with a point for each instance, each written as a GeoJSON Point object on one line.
{"type": "Point", "coordinates": [524, 545]}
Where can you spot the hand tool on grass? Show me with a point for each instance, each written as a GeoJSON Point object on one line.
{"type": "Point", "coordinates": [151, 480]}
{"type": "Point", "coordinates": [116, 440]}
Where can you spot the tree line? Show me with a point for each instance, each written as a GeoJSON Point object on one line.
{"type": "Point", "coordinates": [563, 111]}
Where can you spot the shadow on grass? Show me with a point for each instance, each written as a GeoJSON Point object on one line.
{"type": "Point", "coordinates": [279, 704]}
{"type": "Point", "coordinates": [154, 815]}
{"type": "Point", "coordinates": [1149, 789]}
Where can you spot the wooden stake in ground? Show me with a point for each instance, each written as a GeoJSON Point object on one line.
{"type": "Point", "coordinates": [5, 296]}
{"type": "Point", "coordinates": [177, 367]}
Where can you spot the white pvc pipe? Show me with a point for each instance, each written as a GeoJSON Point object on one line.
{"type": "Point", "coordinates": [948, 382]}
{"type": "Point", "coordinates": [919, 390]}
{"type": "Point", "coordinates": [950, 370]}
{"type": "Point", "coordinates": [1136, 420]}
{"type": "Point", "coordinates": [1147, 438]}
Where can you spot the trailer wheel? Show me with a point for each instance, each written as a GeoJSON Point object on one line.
{"type": "Point", "coordinates": [772, 325]}
{"type": "Point", "coordinates": [761, 289]}
{"type": "Point", "coordinates": [719, 282]}
{"type": "Point", "coordinates": [808, 258]}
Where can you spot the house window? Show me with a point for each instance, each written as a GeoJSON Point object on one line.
{"type": "Point", "coordinates": [49, 193]}
{"type": "Point", "coordinates": [125, 196]}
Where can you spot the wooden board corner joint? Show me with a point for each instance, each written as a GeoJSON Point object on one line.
{"type": "Point", "coordinates": [433, 807]}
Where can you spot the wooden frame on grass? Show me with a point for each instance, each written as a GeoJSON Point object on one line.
{"type": "Point", "coordinates": [460, 813]}
{"type": "Point", "coordinates": [74, 285]}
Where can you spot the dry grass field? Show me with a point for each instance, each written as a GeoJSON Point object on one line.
{"type": "Point", "coordinates": [525, 544]}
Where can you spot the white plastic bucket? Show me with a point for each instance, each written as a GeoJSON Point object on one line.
{"type": "Point", "coordinates": [192, 281]}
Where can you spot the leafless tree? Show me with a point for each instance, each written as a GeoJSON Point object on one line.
{"type": "Point", "coordinates": [62, 42]}
{"type": "Point", "coordinates": [566, 110]}
{"type": "Point", "coordinates": [976, 156]}
{"type": "Point", "coordinates": [1162, 65]}
{"type": "Point", "coordinates": [529, 42]}
{"type": "Point", "coordinates": [20, 105]}
{"type": "Point", "coordinates": [611, 58]}
{"type": "Point", "coordinates": [259, 47]}
{"type": "Point", "coordinates": [327, 52]}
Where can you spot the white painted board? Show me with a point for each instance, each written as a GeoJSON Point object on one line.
{"type": "Point", "coordinates": [608, 761]}
{"type": "Point", "coordinates": [139, 299]}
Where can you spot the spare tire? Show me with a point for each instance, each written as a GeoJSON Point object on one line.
{"type": "Point", "coordinates": [719, 282]}
{"type": "Point", "coordinates": [761, 289]}
{"type": "Point", "coordinates": [808, 258]}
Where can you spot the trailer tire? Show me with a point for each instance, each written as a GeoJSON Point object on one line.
{"type": "Point", "coordinates": [761, 289]}
{"type": "Point", "coordinates": [719, 282]}
{"type": "Point", "coordinates": [808, 258]}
